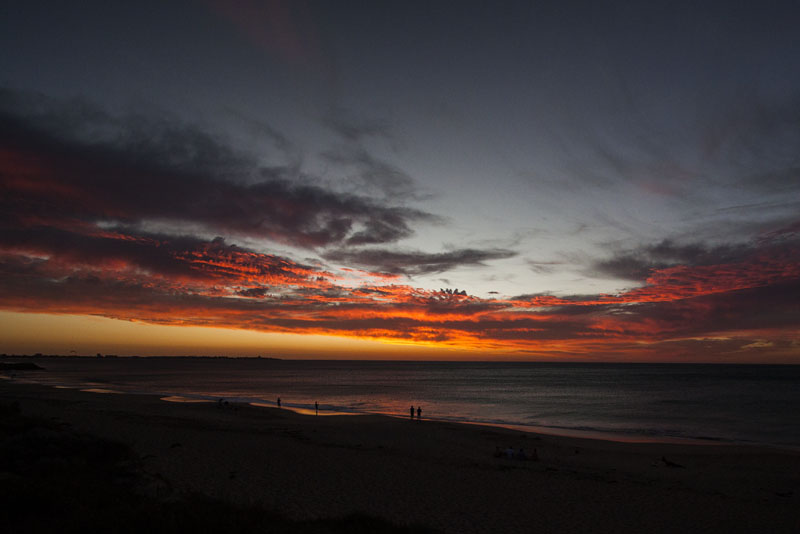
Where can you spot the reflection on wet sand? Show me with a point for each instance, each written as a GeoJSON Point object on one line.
{"type": "Point", "coordinates": [178, 398]}
{"type": "Point", "coordinates": [304, 411]}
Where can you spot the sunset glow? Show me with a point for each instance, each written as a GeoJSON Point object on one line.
{"type": "Point", "coordinates": [336, 224]}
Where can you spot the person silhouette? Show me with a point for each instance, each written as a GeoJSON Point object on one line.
{"type": "Point", "coordinates": [412, 412]}
{"type": "Point", "coordinates": [279, 402]}
{"type": "Point", "coordinates": [316, 408]}
{"type": "Point", "coordinates": [419, 413]}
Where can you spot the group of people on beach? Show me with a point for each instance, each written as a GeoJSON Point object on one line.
{"type": "Point", "coordinates": [222, 403]}
{"type": "Point", "coordinates": [316, 406]}
{"type": "Point", "coordinates": [316, 409]}
{"type": "Point", "coordinates": [511, 454]}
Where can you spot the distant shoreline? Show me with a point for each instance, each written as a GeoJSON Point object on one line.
{"type": "Point", "coordinates": [654, 427]}
{"type": "Point", "coordinates": [410, 361]}
{"type": "Point", "coordinates": [555, 432]}
{"type": "Point", "coordinates": [102, 356]}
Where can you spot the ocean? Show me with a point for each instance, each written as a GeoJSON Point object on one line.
{"type": "Point", "coordinates": [745, 404]}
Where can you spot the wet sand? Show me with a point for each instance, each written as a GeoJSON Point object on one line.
{"type": "Point", "coordinates": [441, 475]}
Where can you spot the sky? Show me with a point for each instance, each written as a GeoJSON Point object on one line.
{"type": "Point", "coordinates": [559, 181]}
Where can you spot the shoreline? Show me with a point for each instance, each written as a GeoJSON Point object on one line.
{"type": "Point", "coordinates": [439, 474]}
{"type": "Point", "coordinates": [688, 405]}
{"type": "Point", "coordinates": [554, 431]}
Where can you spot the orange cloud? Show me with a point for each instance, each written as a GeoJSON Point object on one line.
{"type": "Point", "coordinates": [72, 242]}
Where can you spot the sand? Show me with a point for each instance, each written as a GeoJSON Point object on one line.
{"type": "Point", "coordinates": [441, 475]}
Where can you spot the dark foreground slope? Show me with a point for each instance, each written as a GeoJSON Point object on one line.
{"type": "Point", "coordinates": [170, 466]}
{"type": "Point", "coordinates": [57, 480]}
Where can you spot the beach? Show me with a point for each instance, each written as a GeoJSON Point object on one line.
{"type": "Point", "coordinates": [443, 476]}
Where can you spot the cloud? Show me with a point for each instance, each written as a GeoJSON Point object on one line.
{"type": "Point", "coordinates": [81, 192]}
{"type": "Point", "coordinates": [638, 264]}
{"type": "Point", "coordinates": [352, 129]}
{"type": "Point", "coordinates": [768, 308]}
{"type": "Point", "coordinates": [414, 263]}
{"type": "Point", "coordinates": [760, 139]}
{"type": "Point", "coordinates": [74, 162]}
{"type": "Point", "coordinates": [185, 263]}
{"type": "Point", "coordinates": [543, 267]}
{"type": "Point", "coordinates": [253, 292]}
{"type": "Point", "coordinates": [262, 130]}
{"type": "Point", "coordinates": [372, 174]}
{"type": "Point", "coordinates": [216, 284]}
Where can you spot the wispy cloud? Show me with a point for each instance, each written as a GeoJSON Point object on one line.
{"type": "Point", "coordinates": [365, 172]}
{"type": "Point", "coordinates": [193, 283]}
{"type": "Point", "coordinates": [354, 129]}
{"type": "Point", "coordinates": [86, 165]}
{"type": "Point", "coordinates": [638, 264]}
{"type": "Point", "coordinates": [415, 262]}
{"type": "Point", "coordinates": [79, 188]}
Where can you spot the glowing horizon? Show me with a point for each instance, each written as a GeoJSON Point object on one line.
{"type": "Point", "coordinates": [292, 196]}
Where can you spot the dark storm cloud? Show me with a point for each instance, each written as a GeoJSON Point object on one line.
{"type": "Point", "coordinates": [414, 263]}
{"type": "Point", "coordinates": [72, 161]}
{"type": "Point", "coordinates": [164, 257]}
{"type": "Point", "coordinates": [126, 299]}
{"type": "Point", "coordinates": [640, 263]}
{"type": "Point", "coordinates": [768, 308]}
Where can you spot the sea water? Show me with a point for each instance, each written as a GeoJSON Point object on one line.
{"type": "Point", "coordinates": [755, 404]}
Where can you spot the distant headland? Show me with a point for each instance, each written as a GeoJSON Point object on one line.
{"type": "Point", "coordinates": [99, 355]}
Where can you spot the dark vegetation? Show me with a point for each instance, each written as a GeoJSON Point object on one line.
{"type": "Point", "coordinates": [19, 366]}
{"type": "Point", "coordinates": [53, 479]}
{"type": "Point", "coordinates": [100, 355]}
